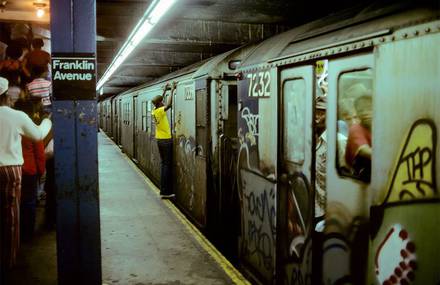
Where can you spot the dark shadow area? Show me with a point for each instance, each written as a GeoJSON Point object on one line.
{"type": "Point", "coordinates": [37, 260]}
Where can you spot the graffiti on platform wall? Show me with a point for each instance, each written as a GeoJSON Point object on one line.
{"type": "Point", "coordinates": [259, 222]}
{"type": "Point", "coordinates": [414, 175]}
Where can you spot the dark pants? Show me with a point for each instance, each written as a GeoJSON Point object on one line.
{"type": "Point", "coordinates": [49, 188]}
{"type": "Point", "coordinates": [29, 187]}
{"type": "Point", "coordinates": [166, 165]}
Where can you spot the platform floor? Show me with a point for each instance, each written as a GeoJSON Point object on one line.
{"type": "Point", "coordinates": [144, 240]}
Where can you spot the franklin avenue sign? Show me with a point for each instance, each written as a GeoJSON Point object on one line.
{"type": "Point", "coordinates": [74, 76]}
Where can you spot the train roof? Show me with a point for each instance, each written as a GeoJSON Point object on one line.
{"type": "Point", "coordinates": [338, 28]}
{"type": "Point", "coordinates": [221, 64]}
{"type": "Point", "coordinates": [213, 67]}
{"type": "Point", "coordinates": [183, 71]}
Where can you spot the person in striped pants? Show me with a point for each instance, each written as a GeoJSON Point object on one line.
{"type": "Point", "coordinates": [13, 125]}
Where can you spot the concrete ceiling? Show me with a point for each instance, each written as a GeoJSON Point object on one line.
{"type": "Point", "coordinates": [193, 30]}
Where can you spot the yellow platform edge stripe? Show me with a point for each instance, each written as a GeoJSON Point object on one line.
{"type": "Point", "coordinates": [227, 267]}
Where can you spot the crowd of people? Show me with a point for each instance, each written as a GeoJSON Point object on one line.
{"type": "Point", "coordinates": [26, 144]}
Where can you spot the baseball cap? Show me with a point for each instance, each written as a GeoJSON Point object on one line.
{"type": "Point", "coordinates": [4, 84]}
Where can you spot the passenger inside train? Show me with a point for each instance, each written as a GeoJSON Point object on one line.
{"type": "Point", "coordinates": [355, 114]}
{"type": "Point", "coordinates": [358, 151]}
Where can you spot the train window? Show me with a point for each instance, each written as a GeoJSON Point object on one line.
{"type": "Point", "coordinates": [201, 121]}
{"type": "Point", "coordinates": [149, 107]}
{"type": "Point", "coordinates": [354, 130]}
{"type": "Point", "coordinates": [225, 102]}
{"type": "Point", "coordinates": [144, 116]}
{"type": "Point", "coordinates": [126, 114]}
{"type": "Point", "coordinates": [294, 114]}
{"type": "Point", "coordinates": [124, 111]}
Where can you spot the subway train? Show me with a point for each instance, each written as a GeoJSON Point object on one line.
{"type": "Point", "coordinates": [311, 157]}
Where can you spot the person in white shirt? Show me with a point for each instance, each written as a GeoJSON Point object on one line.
{"type": "Point", "coordinates": [13, 125]}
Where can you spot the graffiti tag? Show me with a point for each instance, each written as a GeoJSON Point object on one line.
{"type": "Point", "coordinates": [414, 177]}
{"type": "Point", "coordinates": [259, 222]}
{"type": "Point", "coordinates": [301, 273]}
{"type": "Point", "coordinates": [395, 259]}
{"type": "Point", "coordinates": [185, 160]}
{"type": "Point", "coordinates": [252, 124]}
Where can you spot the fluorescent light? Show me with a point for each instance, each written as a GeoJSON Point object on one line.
{"type": "Point", "coordinates": [150, 18]}
{"type": "Point", "coordinates": [143, 31]}
{"type": "Point", "coordinates": [160, 9]}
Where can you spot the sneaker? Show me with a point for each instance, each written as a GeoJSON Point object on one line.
{"type": "Point", "coordinates": [167, 196]}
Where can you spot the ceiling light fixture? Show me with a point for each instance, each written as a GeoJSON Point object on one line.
{"type": "Point", "coordinates": [150, 18]}
{"type": "Point", "coordinates": [3, 5]}
{"type": "Point", "coordinates": [40, 13]}
{"type": "Point", "coordinates": [40, 8]}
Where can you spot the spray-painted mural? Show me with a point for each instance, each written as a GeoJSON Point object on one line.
{"type": "Point", "coordinates": [259, 222]}
{"type": "Point", "coordinates": [404, 237]}
{"type": "Point", "coordinates": [414, 176]}
{"type": "Point", "coordinates": [185, 162]}
{"type": "Point", "coordinates": [257, 192]}
{"type": "Point", "coordinates": [298, 246]}
{"type": "Point", "coordinates": [345, 246]}
{"type": "Point", "coordinates": [190, 193]}
{"type": "Point", "coordinates": [248, 132]}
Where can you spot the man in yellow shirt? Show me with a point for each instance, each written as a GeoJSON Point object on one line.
{"type": "Point", "coordinates": [164, 142]}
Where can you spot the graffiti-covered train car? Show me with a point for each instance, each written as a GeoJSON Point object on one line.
{"type": "Point", "coordinates": [315, 160]}
{"type": "Point", "coordinates": [200, 133]}
{"type": "Point", "coordinates": [337, 165]}
{"type": "Point", "coordinates": [104, 116]}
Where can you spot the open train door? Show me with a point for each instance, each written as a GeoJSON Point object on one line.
{"type": "Point", "coordinates": [295, 157]}
{"type": "Point", "coordinates": [227, 206]}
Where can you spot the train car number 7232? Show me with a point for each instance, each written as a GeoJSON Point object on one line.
{"type": "Point", "coordinates": [259, 84]}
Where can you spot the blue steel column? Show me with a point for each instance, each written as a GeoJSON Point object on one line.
{"type": "Point", "coordinates": [73, 29]}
